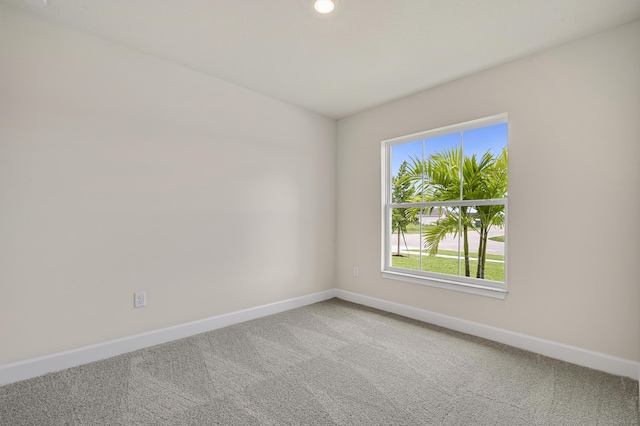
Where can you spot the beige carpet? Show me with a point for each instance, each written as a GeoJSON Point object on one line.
{"type": "Point", "coordinates": [332, 363]}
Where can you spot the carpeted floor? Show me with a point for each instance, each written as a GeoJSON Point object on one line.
{"type": "Point", "coordinates": [331, 363]}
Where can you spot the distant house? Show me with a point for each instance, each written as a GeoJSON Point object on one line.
{"type": "Point", "coordinates": [431, 217]}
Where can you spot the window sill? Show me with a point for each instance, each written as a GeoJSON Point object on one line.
{"type": "Point", "coordinates": [479, 290]}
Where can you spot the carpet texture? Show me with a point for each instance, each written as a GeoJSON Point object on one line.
{"type": "Point", "coordinates": [331, 363]}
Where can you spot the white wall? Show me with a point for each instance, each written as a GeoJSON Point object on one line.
{"type": "Point", "coordinates": [120, 172]}
{"type": "Point", "coordinates": [574, 150]}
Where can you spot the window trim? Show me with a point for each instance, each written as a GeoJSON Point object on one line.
{"type": "Point", "coordinates": [451, 282]}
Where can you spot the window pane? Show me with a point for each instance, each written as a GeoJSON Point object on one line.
{"type": "Point", "coordinates": [405, 239]}
{"type": "Point", "coordinates": [486, 241]}
{"type": "Point", "coordinates": [484, 167]}
{"type": "Point", "coordinates": [442, 166]}
{"type": "Point", "coordinates": [404, 158]}
{"type": "Point", "coordinates": [483, 139]}
{"type": "Point", "coordinates": [441, 240]}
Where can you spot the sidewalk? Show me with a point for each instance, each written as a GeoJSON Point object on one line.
{"type": "Point", "coordinates": [451, 243]}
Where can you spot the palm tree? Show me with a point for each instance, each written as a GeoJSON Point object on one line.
{"type": "Point", "coordinates": [403, 192]}
{"type": "Point", "coordinates": [438, 179]}
{"type": "Point", "coordinates": [492, 183]}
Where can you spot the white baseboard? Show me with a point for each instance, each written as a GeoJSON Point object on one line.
{"type": "Point", "coordinates": [572, 354]}
{"type": "Point", "coordinates": [28, 368]}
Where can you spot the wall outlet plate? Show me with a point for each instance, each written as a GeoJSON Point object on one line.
{"type": "Point", "coordinates": [139, 299]}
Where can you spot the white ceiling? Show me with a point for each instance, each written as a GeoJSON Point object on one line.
{"type": "Point", "coordinates": [367, 52]}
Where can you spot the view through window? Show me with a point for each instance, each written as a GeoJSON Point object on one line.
{"type": "Point", "coordinates": [446, 205]}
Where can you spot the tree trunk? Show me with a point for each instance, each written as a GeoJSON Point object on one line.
{"type": "Point", "coordinates": [404, 239]}
{"type": "Point", "coordinates": [479, 271]}
{"type": "Point", "coordinates": [465, 241]}
{"type": "Point", "coordinates": [482, 251]}
{"type": "Point", "coordinates": [398, 239]}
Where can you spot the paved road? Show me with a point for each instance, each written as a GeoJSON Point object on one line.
{"type": "Point", "coordinates": [450, 243]}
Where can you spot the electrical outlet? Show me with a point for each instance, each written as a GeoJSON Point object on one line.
{"type": "Point", "coordinates": [356, 271]}
{"type": "Point", "coordinates": [139, 299]}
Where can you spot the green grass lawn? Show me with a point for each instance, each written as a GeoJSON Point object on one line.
{"type": "Point", "coordinates": [493, 270]}
{"type": "Point", "coordinates": [413, 228]}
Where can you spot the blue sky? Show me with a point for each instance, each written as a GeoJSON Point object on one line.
{"type": "Point", "coordinates": [475, 141]}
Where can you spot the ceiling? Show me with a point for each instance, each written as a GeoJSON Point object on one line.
{"type": "Point", "coordinates": [367, 52]}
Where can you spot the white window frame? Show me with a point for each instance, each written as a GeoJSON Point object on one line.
{"type": "Point", "coordinates": [477, 286]}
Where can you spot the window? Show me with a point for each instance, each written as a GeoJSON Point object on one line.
{"type": "Point", "coordinates": [445, 207]}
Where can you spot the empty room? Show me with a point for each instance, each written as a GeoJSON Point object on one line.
{"type": "Point", "coordinates": [347, 212]}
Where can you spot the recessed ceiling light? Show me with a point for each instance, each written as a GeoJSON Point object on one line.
{"type": "Point", "coordinates": [323, 6]}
